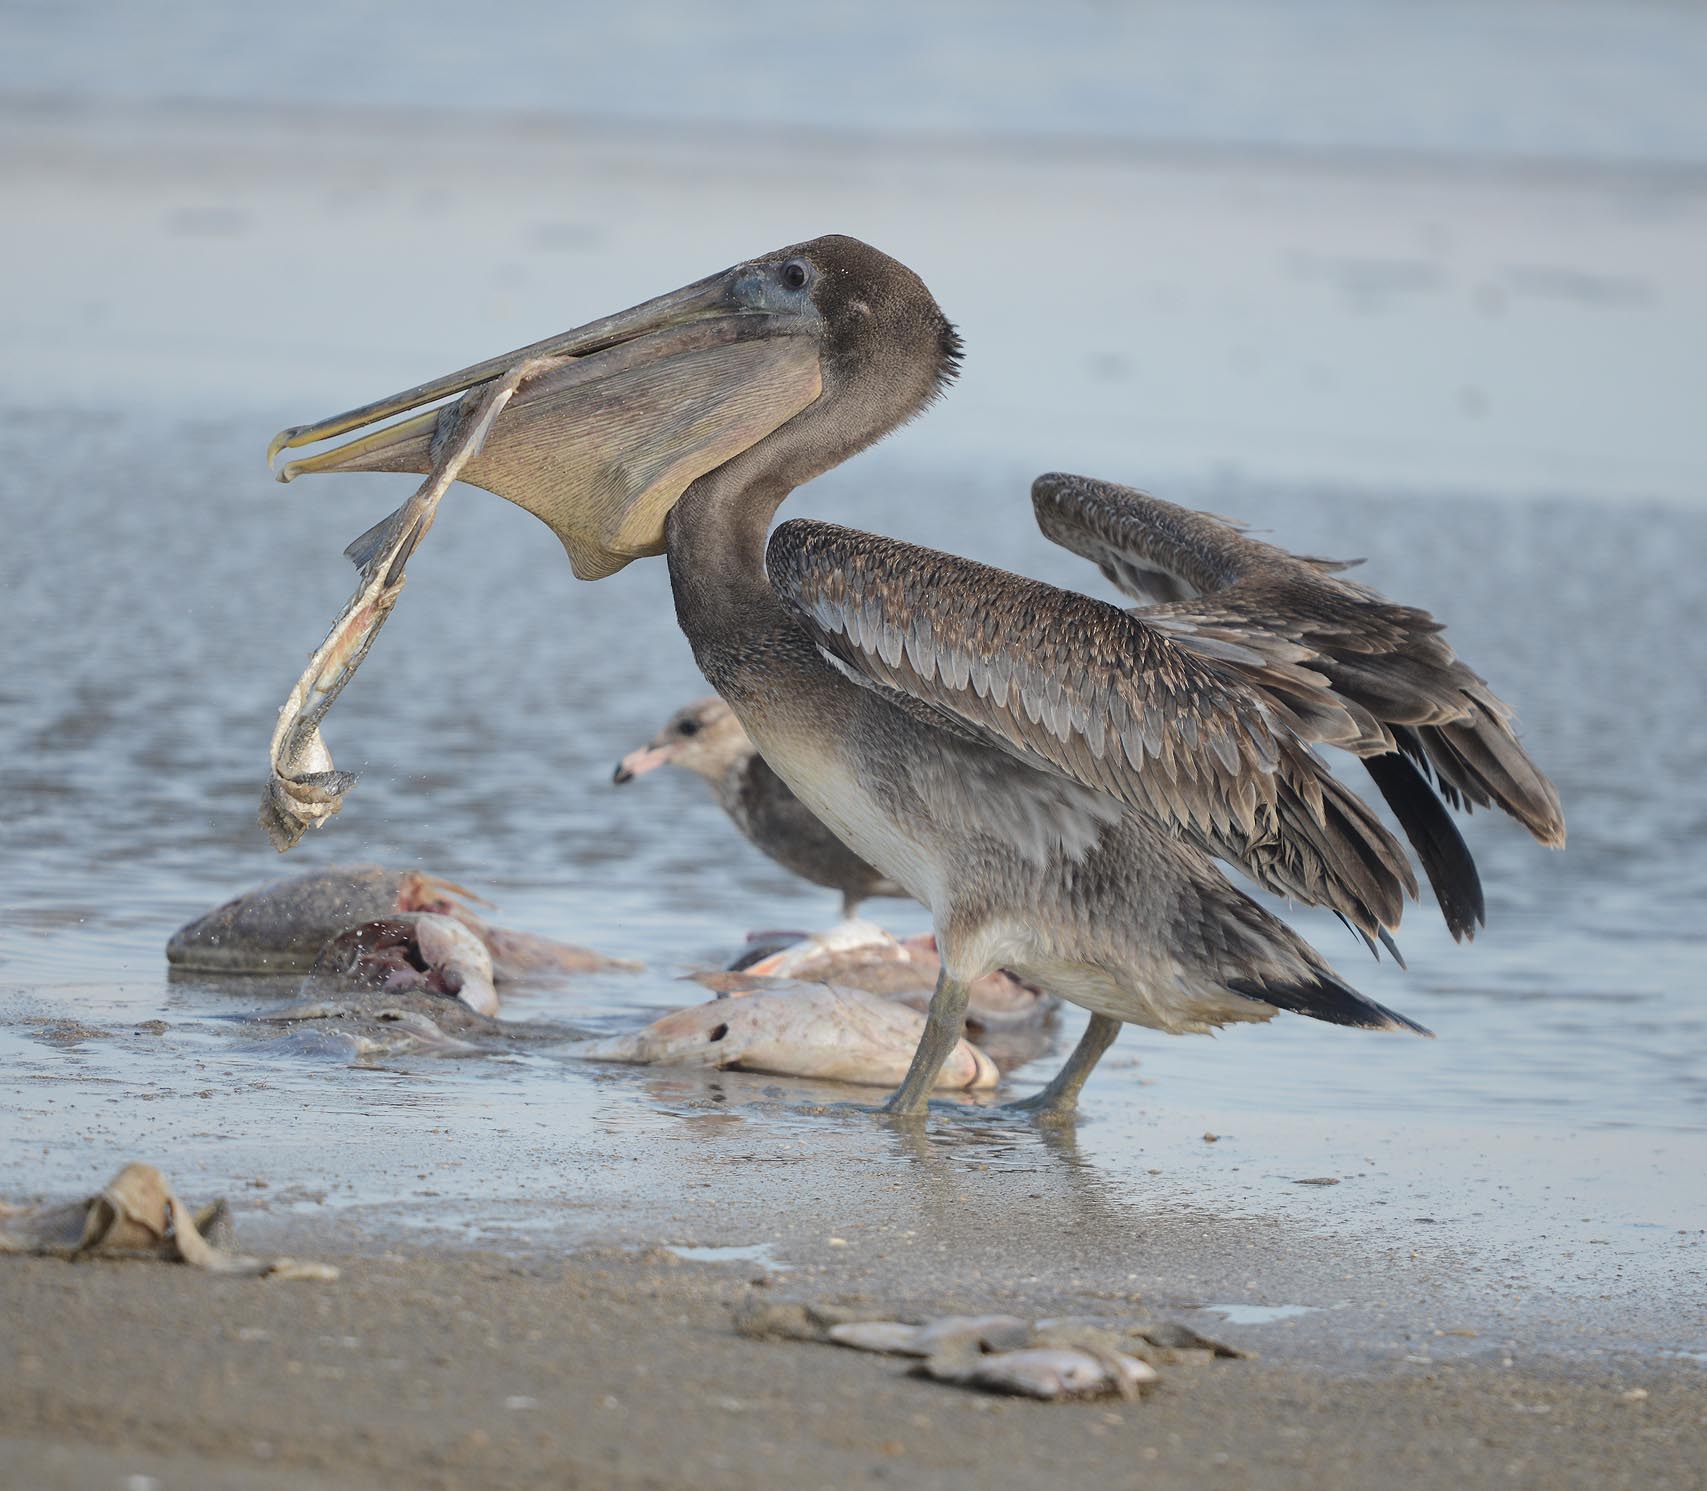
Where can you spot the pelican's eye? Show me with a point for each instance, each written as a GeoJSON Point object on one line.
{"type": "Point", "coordinates": [688, 727]}
{"type": "Point", "coordinates": [795, 274]}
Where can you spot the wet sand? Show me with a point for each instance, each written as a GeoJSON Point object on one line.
{"type": "Point", "coordinates": [481, 1369]}
{"type": "Point", "coordinates": [535, 1292]}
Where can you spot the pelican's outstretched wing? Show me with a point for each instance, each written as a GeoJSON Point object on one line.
{"type": "Point", "coordinates": [1206, 729]}
{"type": "Point", "coordinates": [1433, 717]}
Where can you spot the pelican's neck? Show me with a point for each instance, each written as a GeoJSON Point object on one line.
{"type": "Point", "coordinates": [716, 545]}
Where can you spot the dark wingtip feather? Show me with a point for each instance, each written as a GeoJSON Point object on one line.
{"type": "Point", "coordinates": [1326, 998]}
{"type": "Point", "coordinates": [1393, 949]}
{"type": "Point", "coordinates": [1369, 942]}
{"type": "Point", "coordinates": [1441, 849]}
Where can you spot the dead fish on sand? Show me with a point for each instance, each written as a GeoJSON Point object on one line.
{"type": "Point", "coordinates": [859, 955]}
{"type": "Point", "coordinates": [419, 951]}
{"type": "Point", "coordinates": [810, 1030]}
{"type": "Point", "coordinates": [1048, 1359]}
{"type": "Point", "coordinates": [1052, 1373]}
{"type": "Point", "coordinates": [999, 1353]}
{"type": "Point", "coordinates": [363, 926]}
{"type": "Point", "coordinates": [984, 1333]}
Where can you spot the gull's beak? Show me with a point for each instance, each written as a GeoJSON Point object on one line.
{"type": "Point", "coordinates": [638, 763]}
{"type": "Point", "coordinates": [601, 443]}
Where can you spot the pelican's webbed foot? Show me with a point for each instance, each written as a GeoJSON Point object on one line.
{"type": "Point", "coordinates": [1059, 1101]}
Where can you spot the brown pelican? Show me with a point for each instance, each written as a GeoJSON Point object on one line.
{"type": "Point", "coordinates": [1053, 776]}
{"type": "Point", "coordinates": [705, 738]}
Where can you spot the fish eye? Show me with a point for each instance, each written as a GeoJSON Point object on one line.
{"type": "Point", "coordinates": [795, 274]}
{"type": "Point", "coordinates": [688, 727]}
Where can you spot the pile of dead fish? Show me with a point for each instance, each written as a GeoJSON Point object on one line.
{"type": "Point", "coordinates": [1054, 1360]}
{"type": "Point", "coordinates": [389, 961]}
{"type": "Point", "coordinates": [137, 1214]}
{"type": "Point", "coordinates": [796, 1030]}
{"type": "Point", "coordinates": [363, 926]}
{"type": "Point", "coordinates": [395, 961]}
{"type": "Point", "coordinates": [844, 1005]}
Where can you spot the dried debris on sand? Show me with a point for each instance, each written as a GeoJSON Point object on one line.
{"type": "Point", "coordinates": [1049, 1359]}
{"type": "Point", "coordinates": [138, 1215]}
{"type": "Point", "coordinates": [804, 1030]}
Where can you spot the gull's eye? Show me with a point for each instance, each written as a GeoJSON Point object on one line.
{"type": "Point", "coordinates": [795, 274]}
{"type": "Point", "coordinates": [688, 727]}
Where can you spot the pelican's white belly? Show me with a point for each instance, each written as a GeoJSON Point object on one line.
{"type": "Point", "coordinates": [826, 783]}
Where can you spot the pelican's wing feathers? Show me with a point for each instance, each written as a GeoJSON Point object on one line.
{"type": "Point", "coordinates": [1208, 729]}
{"type": "Point", "coordinates": [1428, 720]}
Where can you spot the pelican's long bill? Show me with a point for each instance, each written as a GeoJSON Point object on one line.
{"type": "Point", "coordinates": [597, 432]}
{"type": "Point", "coordinates": [601, 445]}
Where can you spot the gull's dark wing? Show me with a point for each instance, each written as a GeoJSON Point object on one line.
{"type": "Point", "coordinates": [1436, 725]}
{"type": "Point", "coordinates": [1205, 729]}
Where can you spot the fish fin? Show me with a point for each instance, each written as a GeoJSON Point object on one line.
{"type": "Point", "coordinates": [362, 551]}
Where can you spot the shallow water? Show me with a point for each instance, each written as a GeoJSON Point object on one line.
{"type": "Point", "coordinates": [136, 720]}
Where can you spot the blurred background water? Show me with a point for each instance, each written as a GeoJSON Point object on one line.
{"type": "Point", "coordinates": [1417, 283]}
{"type": "Point", "coordinates": [1581, 81]}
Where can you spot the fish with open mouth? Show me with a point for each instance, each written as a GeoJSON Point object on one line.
{"type": "Point", "coordinates": [436, 954]}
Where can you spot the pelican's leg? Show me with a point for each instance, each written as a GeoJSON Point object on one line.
{"type": "Point", "coordinates": [943, 1024]}
{"type": "Point", "coordinates": [1061, 1097]}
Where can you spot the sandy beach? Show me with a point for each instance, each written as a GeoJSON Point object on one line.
{"type": "Point", "coordinates": [1472, 359]}
{"type": "Point", "coordinates": [461, 1369]}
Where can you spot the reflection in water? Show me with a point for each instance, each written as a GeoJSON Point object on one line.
{"type": "Point", "coordinates": [762, 1253]}
{"type": "Point", "coordinates": [1259, 1314]}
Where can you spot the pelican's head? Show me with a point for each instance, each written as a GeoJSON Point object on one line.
{"type": "Point", "coordinates": [813, 351]}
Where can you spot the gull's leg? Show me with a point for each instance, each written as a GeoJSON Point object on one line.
{"type": "Point", "coordinates": [1061, 1097]}
{"type": "Point", "coordinates": [943, 1024]}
